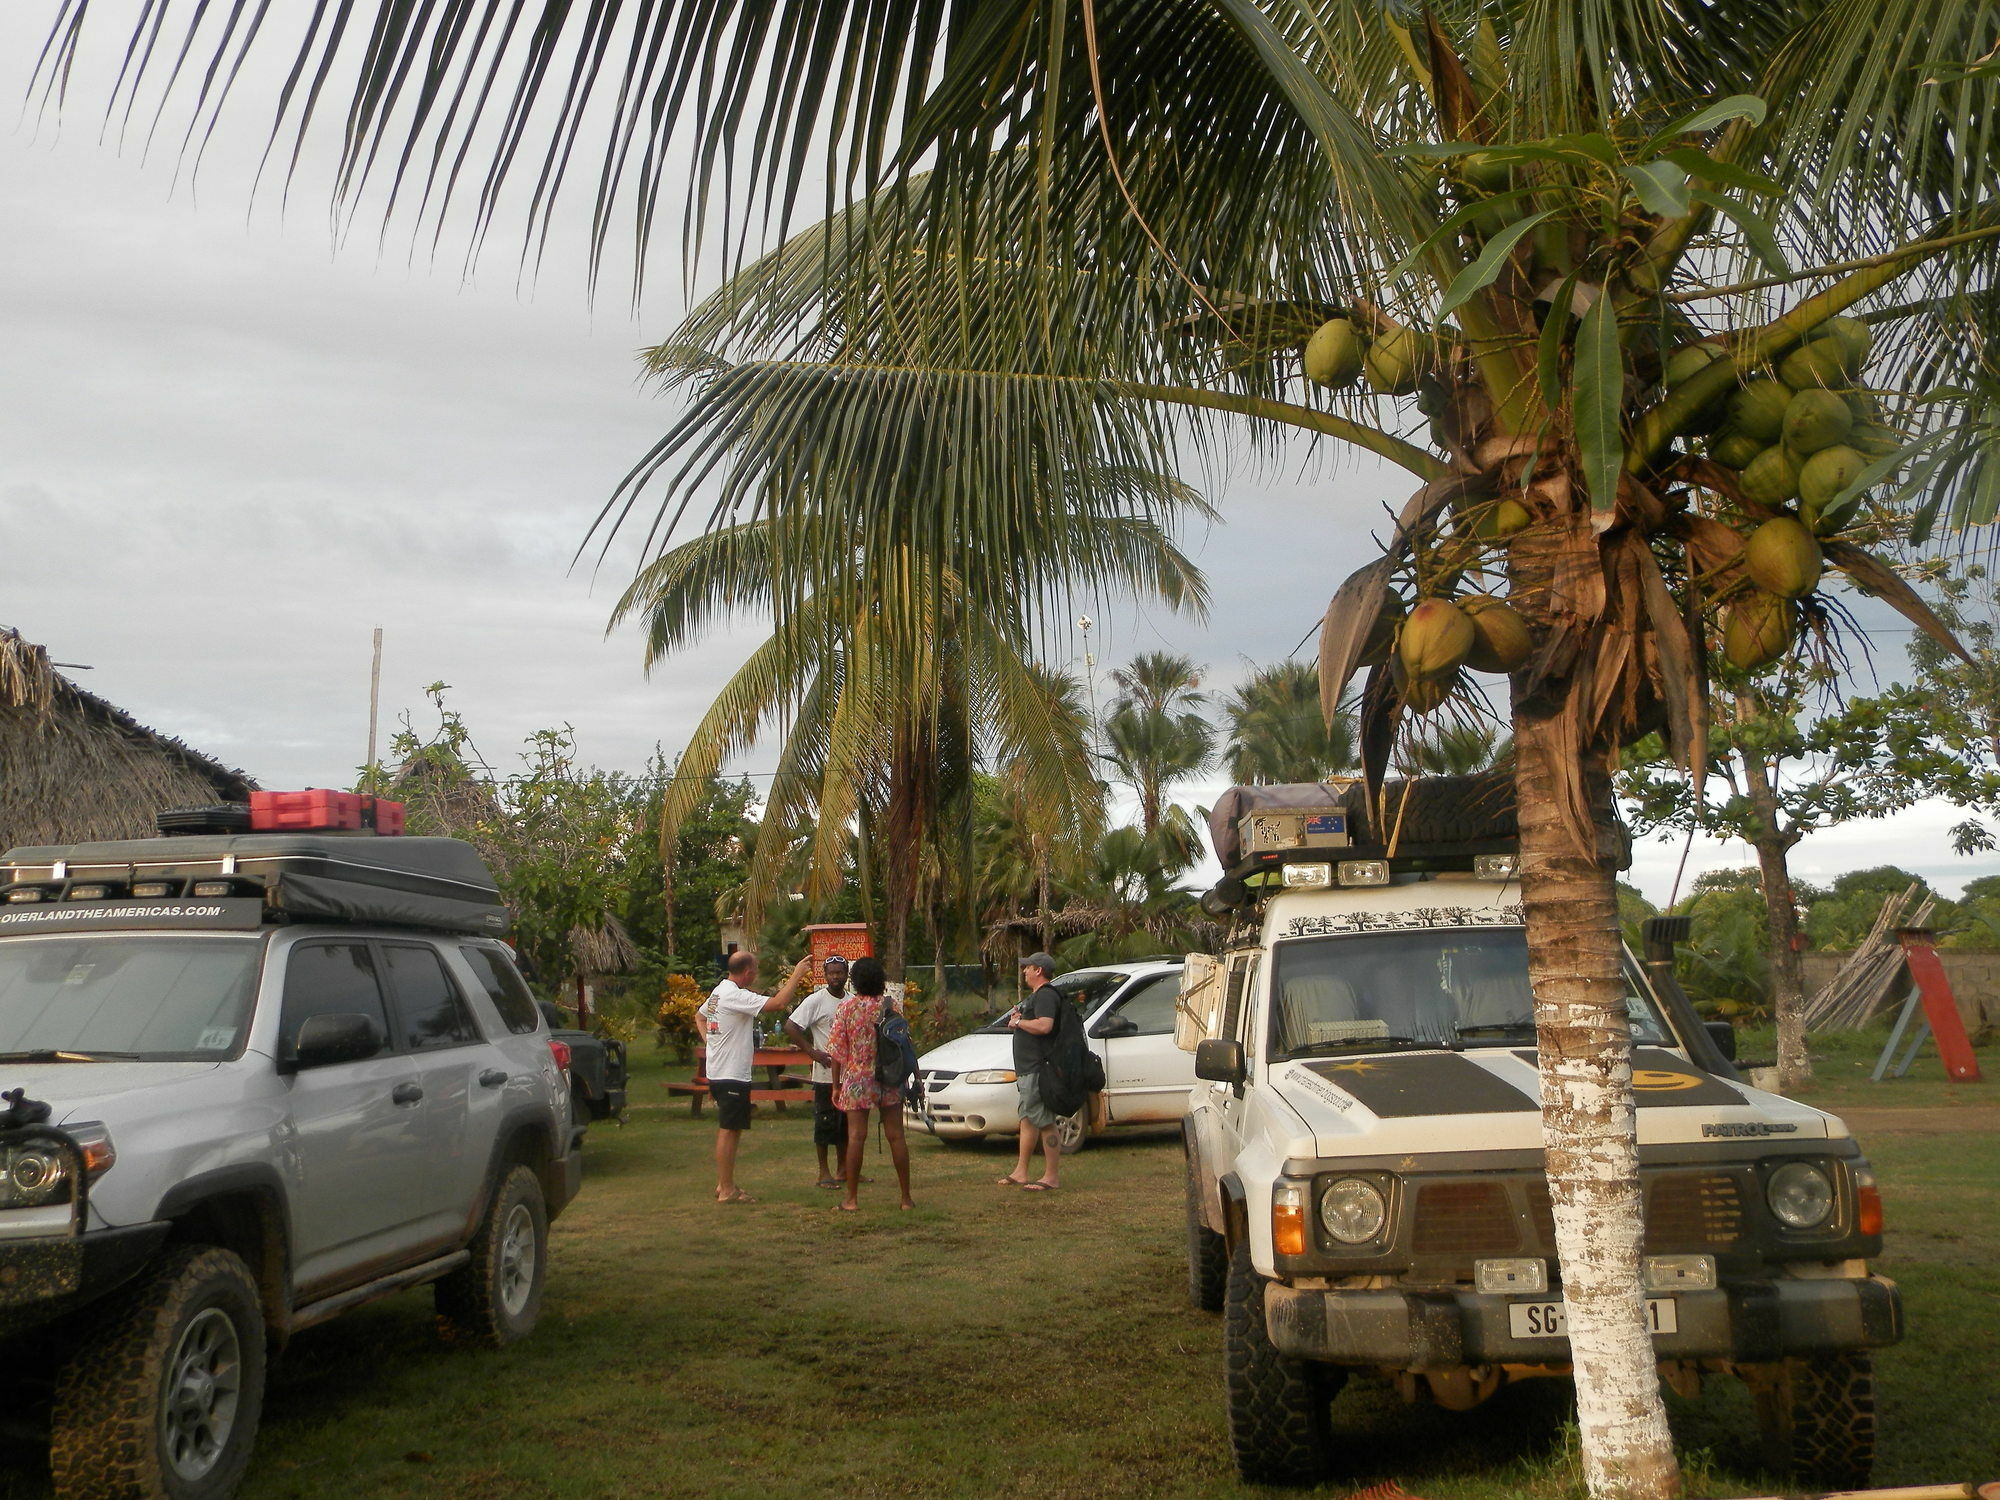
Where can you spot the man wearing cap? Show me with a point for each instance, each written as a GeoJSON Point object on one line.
{"type": "Point", "coordinates": [808, 1027]}
{"type": "Point", "coordinates": [1033, 1023]}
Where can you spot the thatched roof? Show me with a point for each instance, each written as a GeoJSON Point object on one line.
{"type": "Point", "coordinates": [73, 767]}
{"type": "Point", "coordinates": [606, 949]}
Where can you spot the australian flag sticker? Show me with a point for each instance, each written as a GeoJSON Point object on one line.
{"type": "Point", "coordinates": [1327, 823]}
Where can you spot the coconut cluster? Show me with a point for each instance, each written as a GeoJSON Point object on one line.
{"type": "Point", "coordinates": [1440, 638]}
{"type": "Point", "coordinates": [1341, 352]}
{"type": "Point", "coordinates": [1795, 438]}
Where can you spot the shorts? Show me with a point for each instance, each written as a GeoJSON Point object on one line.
{"type": "Point", "coordinates": [732, 1103]}
{"type": "Point", "coordinates": [1033, 1110]}
{"type": "Point", "coordinates": [829, 1123]}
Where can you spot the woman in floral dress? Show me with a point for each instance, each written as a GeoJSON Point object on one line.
{"type": "Point", "coordinates": [851, 1045]}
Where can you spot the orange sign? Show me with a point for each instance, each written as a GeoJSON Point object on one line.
{"type": "Point", "coordinates": [848, 939]}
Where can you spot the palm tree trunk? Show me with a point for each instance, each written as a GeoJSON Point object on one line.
{"type": "Point", "coordinates": [904, 825]}
{"type": "Point", "coordinates": [1781, 917]}
{"type": "Point", "coordinates": [1585, 1043]}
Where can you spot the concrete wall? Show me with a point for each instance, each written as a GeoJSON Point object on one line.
{"type": "Point", "coordinates": [1975, 982]}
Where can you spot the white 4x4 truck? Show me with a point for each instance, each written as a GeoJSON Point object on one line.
{"type": "Point", "coordinates": [1364, 1151]}
{"type": "Point", "coordinates": [255, 1080]}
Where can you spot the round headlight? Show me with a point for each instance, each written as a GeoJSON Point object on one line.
{"type": "Point", "coordinates": [1353, 1211]}
{"type": "Point", "coordinates": [36, 1176]}
{"type": "Point", "coordinates": [1800, 1194]}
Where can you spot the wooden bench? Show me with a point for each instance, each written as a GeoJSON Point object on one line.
{"type": "Point", "coordinates": [783, 1088]}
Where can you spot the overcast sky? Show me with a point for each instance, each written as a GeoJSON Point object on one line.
{"type": "Point", "coordinates": [229, 449]}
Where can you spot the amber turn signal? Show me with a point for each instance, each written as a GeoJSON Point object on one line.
{"type": "Point", "coordinates": [1288, 1228]}
{"type": "Point", "coordinates": [1868, 1209]}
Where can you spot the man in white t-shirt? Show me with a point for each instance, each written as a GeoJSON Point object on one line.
{"type": "Point", "coordinates": [808, 1027]}
{"type": "Point", "coordinates": [728, 1020]}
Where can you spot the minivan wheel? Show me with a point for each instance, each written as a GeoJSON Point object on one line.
{"type": "Point", "coordinates": [496, 1297]}
{"type": "Point", "coordinates": [162, 1397]}
{"type": "Point", "coordinates": [1073, 1132]}
{"type": "Point", "coordinates": [1278, 1422]}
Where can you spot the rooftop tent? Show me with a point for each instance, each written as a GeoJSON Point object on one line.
{"type": "Point", "coordinates": [326, 877]}
{"type": "Point", "coordinates": [73, 766]}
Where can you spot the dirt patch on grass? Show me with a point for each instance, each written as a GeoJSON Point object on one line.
{"type": "Point", "coordinates": [1943, 1119]}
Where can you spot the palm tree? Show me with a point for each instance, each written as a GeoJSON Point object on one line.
{"type": "Point", "coordinates": [1155, 730]}
{"type": "Point", "coordinates": [1277, 733]}
{"type": "Point", "coordinates": [1573, 236]}
{"type": "Point", "coordinates": [881, 729]}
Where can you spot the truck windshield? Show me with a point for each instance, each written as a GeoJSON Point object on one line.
{"type": "Point", "coordinates": [1429, 987]}
{"type": "Point", "coordinates": [115, 996]}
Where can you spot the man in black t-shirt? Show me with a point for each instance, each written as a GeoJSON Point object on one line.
{"type": "Point", "coordinates": [1034, 1024]}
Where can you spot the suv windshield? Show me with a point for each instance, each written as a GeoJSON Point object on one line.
{"type": "Point", "coordinates": [1088, 988]}
{"type": "Point", "coordinates": [1429, 987]}
{"type": "Point", "coordinates": [147, 996]}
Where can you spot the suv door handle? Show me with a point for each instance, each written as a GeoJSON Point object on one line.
{"type": "Point", "coordinates": [406, 1093]}
{"type": "Point", "coordinates": [492, 1078]}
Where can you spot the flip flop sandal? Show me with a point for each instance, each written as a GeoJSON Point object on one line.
{"type": "Point", "coordinates": [1010, 1182]}
{"type": "Point", "coordinates": [1038, 1187]}
{"type": "Point", "coordinates": [739, 1196]}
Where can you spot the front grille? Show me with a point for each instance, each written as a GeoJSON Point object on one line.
{"type": "Point", "coordinates": [935, 1076]}
{"type": "Point", "coordinates": [1693, 1211]}
{"type": "Point", "coordinates": [1463, 1218]}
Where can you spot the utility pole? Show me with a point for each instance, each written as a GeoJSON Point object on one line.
{"type": "Point", "coordinates": [374, 703]}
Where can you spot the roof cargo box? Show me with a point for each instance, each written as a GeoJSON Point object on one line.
{"type": "Point", "coordinates": [319, 877]}
{"type": "Point", "coordinates": [317, 808]}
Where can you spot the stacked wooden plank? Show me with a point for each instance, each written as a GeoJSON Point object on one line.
{"type": "Point", "coordinates": [1875, 975]}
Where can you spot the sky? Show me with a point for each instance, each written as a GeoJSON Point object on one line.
{"type": "Point", "coordinates": [231, 447]}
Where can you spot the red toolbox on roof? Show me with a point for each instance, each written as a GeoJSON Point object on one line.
{"type": "Point", "coordinates": [319, 810]}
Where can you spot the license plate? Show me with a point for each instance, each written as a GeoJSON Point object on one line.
{"type": "Point", "coordinates": [1549, 1320]}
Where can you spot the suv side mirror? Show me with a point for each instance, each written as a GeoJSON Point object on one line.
{"type": "Point", "coordinates": [1220, 1060]}
{"type": "Point", "coordinates": [1724, 1036]}
{"type": "Point", "coordinates": [345, 1036]}
{"type": "Point", "coordinates": [1115, 1026]}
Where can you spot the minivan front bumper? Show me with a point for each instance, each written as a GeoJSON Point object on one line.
{"type": "Point", "coordinates": [1748, 1322]}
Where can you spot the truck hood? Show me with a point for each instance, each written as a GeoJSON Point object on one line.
{"type": "Point", "coordinates": [1490, 1099]}
{"type": "Point", "coordinates": [75, 1091]}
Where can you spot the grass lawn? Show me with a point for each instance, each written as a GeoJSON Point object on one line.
{"type": "Point", "coordinates": [990, 1343]}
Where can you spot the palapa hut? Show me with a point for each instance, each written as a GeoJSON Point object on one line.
{"type": "Point", "coordinates": [73, 767]}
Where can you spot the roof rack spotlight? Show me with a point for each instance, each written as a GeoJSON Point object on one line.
{"type": "Point", "coordinates": [1364, 872]}
{"type": "Point", "coordinates": [1311, 877]}
{"type": "Point", "coordinates": [1494, 866]}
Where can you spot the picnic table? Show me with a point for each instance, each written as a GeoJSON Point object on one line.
{"type": "Point", "coordinates": [781, 1087]}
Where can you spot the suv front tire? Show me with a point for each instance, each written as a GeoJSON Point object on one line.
{"type": "Point", "coordinates": [1278, 1421]}
{"type": "Point", "coordinates": [164, 1391]}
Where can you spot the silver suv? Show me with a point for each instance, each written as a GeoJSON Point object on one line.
{"type": "Point", "coordinates": [225, 1124]}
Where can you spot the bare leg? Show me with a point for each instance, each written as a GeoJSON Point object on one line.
{"type": "Point", "coordinates": [726, 1142]}
{"type": "Point", "coordinates": [857, 1143]}
{"type": "Point", "coordinates": [1020, 1173]}
{"type": "Point", "coordinates": [1051, 1155]}
{"type": "Point", "coordinates": [826, 1175]}
{"type": "Point", "coordinates": [899, 1148]}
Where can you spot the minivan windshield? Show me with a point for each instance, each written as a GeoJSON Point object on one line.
{"type": "Point", "coordinates": [114, 996]}
{"type": "Point", "coordinates": [1086, 988]}
{"type": "Point", "coordinates": [1425, 987]}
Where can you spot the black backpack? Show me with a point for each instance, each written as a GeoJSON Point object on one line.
{"type": "Point", "coordinates": [896, 1054]}
{"type": "Point", "coordinates": [1072, 1072]}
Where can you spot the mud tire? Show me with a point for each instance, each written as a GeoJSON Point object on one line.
{"type": "Point", "coordinates": [1207, 1258]}
{"type": "Point", "coordinates": [1816, 1418]}
{"type": "Point", "coordinates": [1278, 1423]}
{"type": "Point", "coordinates": [495, 1299]}
{"type": "Point", "coordinates": [111, 1420]}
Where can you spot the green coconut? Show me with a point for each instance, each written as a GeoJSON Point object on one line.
{"type": "Point", "coordinates": [1734, 449]}
{"type": "Point", "coordinates": [1824, 476]}
{"type": "Point", "coordinates": [1758, 408]}
{"type": "Point", "coordinates": [1822, 362]}
{"type": "Point", "coordinates": [1395, 361]}
{"type": "Point", "coordinates": [1426, 695]}
{"type": "Point", "coordinates": [1485, 173]}
{"type": "Point", "coordinates": [1756, 630]}
{"type": "Point", "coordinates": [1853, 335]}
{"type": "Point", "coordinates": [1816, 420]}
{"type": "Point", "coordinates": [1501, 639]}
{"type": "Point", "coordinates": [1771, 478]}
{"type": "Point", "coordinates": [1496, 520]}
{"type": "Point", "coordinates": [1782, 558]}
{"type": "Point", "coordinates": [1436, 637]}
{"type": "Point", "coordinates": [1333, 355]}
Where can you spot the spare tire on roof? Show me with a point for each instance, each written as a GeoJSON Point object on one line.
{"type": "Point", "coordinates": [1433, 810]}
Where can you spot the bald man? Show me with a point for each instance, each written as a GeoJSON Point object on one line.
{"type": "Point", "coordinates": [728, 1020]}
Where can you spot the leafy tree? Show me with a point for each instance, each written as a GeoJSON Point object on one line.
{"type": "Point", "coordinates": [1156, 731]}
{"type": "Point", "coordinates": [1520, 215]}
{"type": "Point", "coordinates": [1276, 734]}
{"type": "Point", "coordinates": [1787, 771]}
{"type": "Point", "coordinates": [1724, 966]}
{"type": "Point", "coordinates": [1455, 749]}
{"type": "Point", "coordinates": [1841, 915]}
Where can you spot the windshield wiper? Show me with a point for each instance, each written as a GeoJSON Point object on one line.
{"type": "Point", "coordinates": [67, 1054]}
{"type": "Point", "coordinates": [1364, 1044]}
